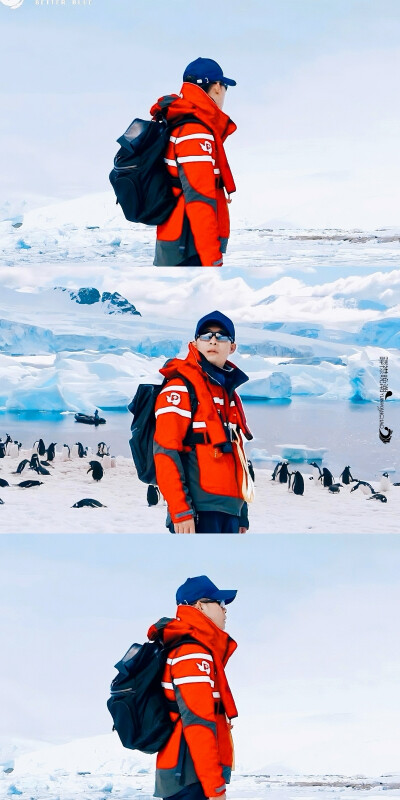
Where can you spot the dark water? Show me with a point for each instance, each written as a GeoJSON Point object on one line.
{"type": "Point", "coordinates": [349, 431]}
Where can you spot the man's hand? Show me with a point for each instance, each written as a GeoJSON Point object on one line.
{"type": "Point", "coordinates": [242, 530]}
{"type": "Point", "coordinates": [220, 797]}
{"type": "Point", "coordinates": [185, 527]}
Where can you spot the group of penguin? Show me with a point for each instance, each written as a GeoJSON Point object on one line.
{"type": "Point", "coordinates": [295, 481]}
{"type": "Point", "coordinates": [42, 457]}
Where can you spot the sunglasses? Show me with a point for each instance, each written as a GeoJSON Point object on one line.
{"type": "Point", "coordinates": [219, 336]}
{"type": "Point", "coordinates": [225, 85]}
{"type": "Point", "coordinates": [221, 603]}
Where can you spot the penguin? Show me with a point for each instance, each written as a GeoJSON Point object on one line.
{"type": "Point", "coordinates": [3, 449]}
{"type": "Point", "coordinates": [51, 451]}
{"type": "Point", "coordinates": [28, 484]}
{"type": "Point", "coordinates": [36, 465]}
{"type": "Point", "coordinates": [366, 488]}
{"type": "Point", "coordinates": [275, 472]}
{"type": "Point", "coordinates": [3, 482]}
{"type": "Point", "coordinates": [335, 488]}
{"type": "Point", "coordinates": [346, 476]}
{"type": "Point", "coordinates": [281, 471]}
{"type": "Point", "coordinates": [298, 482]}
{"type": "Point", "coordinates": [13, 449]}
{"type": "Point", "coordinates": [378, 496]}
{"type": "Point", "coordinates": [102, 450]}
{"type": "Point", "coordinates": [66, 453]}
{"type": "Point", "coordinates": [316, 472]}
{"type": "Point", "coordinates": [153, 495]}
{"type": "Point", "coordinates": [39, 447]}
{"type": "Point", "coordinates": [21, 466]}
{"type": "Point", "coordinates": [396, 484]}
{"type": "Point", "coordinates": [1, 502]}
{"type": "Point", "coordinates": [89, 502]}
{"type": "Point", "coordinates": [385, 484]}
{"type": "Point", "coordinates": [9, 443]}
{"type": "Point", "coordinates": [251, 470]}
{"type": "Point", "coordinates": [81, 450]}
{"type": "Point", "coordinates": [326, 477]}
{"type": "Point", "coordinates": [96, 469]}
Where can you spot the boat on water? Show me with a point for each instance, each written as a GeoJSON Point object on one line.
{"type": "Point", "coordinates": [90, 419]}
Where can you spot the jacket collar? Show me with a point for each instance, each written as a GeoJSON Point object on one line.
{"type": "Point", "coordinates": [189, 621]}
{"type": "Point", "coordinates": [195, 362]}
{"type": "Point", "coordinates": [194, 100]}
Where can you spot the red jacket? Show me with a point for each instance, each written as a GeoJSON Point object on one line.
{"type": "Point", "coordinates": [196, 156]}
{"type": "Point", "coordinates": [194, 676]}
{"type": "Point", "coordinates": [206, 474]}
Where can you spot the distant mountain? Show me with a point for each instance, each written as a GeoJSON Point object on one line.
{"type": "Point", "coordinates": [114, 303]}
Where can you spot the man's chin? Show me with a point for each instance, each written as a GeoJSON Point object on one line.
{"type": "Point", "coordinates": [213, 359]}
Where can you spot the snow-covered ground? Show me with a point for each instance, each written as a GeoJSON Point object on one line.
{"type": "Point", "coordinates": [99, 767]}
{"type": "Point", "coordinates": [92, 227]}
{"type": "Point", "coordinates": [48, 508]}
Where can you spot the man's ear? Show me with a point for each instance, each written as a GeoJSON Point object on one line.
{"type": "Point", "coordinates": [233, 347]}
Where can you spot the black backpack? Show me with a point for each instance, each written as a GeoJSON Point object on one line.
{"type": "Point", "coordinates": [144, 424]}
{"type": "Point", "coordinates": [140, 178]}
{"type": "Point", "coordinates": [138, 706]}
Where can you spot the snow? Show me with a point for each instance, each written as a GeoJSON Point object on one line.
{"type": "Point", "coordinates": [92, 227]}
{"type": "Point", "coordinates": [48, 508]}
{"type": "Point", "coordinates": [99, 766]}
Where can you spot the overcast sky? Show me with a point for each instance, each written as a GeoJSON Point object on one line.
{"type": "Point", "coordinates": [316, 102]}
{"type": "Point", "coordinates": [316, 674]}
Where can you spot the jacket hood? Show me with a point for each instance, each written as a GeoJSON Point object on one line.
{"type": "Point", "coordinates": [189, 621]}
{"type": "Point", "coordinates": [194, 101]}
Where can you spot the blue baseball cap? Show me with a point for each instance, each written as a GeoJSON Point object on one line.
{"type": "Point", "coordinates": [205, 70]}
{"type": "Point", "coordinates": [201, 587]}
{"type": "Point", "coordinates": [216, 318]}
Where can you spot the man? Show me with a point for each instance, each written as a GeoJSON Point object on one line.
{"type": "Point", "coordinates": [197, 760]}
{"type": "Point", "coordinates": [198, 450]}
{"type": "Point", "coordinates": [197, 231]}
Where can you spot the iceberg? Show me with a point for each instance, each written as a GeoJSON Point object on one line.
{"type": "Point", "coordinates": [301, 452]}
{"type": "Point", "coordinates": [276, 386]}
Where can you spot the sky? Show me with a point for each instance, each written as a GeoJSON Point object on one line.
{"type": "Point", "coordinates": [316, 673]}
{"type": "Point", "coordinates": [316, 101]}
